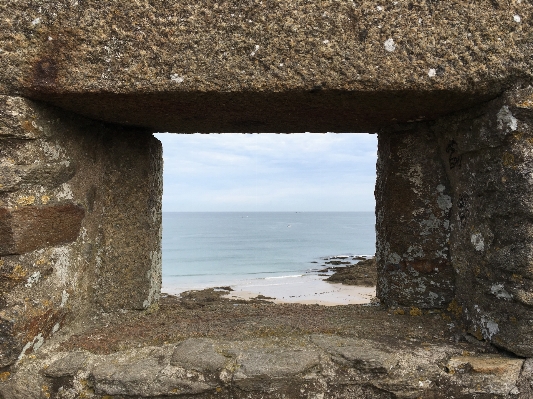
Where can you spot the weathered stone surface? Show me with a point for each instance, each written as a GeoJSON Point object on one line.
{"type": "Point", "coordinates": [14, 177]}
{"type": "Point", "coordinates": [489, 164]}
{"type": "Point", "coordinates": [17, 119]}
{"type": "Point", "coordinates": [145, 373]}
{"type": "Point", "coordinates": [68, 365]}
{"type": "Point", "coordinates": [360, 354]}
{"type": "Point", "coordinates": [34, 227]}
{"type": "Point", "coordinates": [198, 354]}
{"type": "Point", "coordinates": [264, 66]}
{"type": "Point", "coordinates": [296, 367]}
{"type": "Point", "coordinates": [9, 347]}
{"type": "Point", "coordinates": [80, 230]}
{"type": "Point", "coordinates": [413, 205]}
{"type": "Point", "coordinates": [486, 374]}
{"type": "Point", "coordinates": [274, 363]}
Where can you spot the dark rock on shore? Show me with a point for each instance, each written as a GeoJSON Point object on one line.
{"type": "Point", "coordinates": [363, 273]}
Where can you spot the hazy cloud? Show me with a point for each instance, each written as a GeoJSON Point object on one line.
{"type": "Point", "coordinates": [269, 172]}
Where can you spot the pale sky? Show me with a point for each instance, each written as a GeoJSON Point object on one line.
{"type": "Point", "coordinates": [303, 172]}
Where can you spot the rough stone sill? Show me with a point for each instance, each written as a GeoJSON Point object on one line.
{"type": "Point", "coordinates": [202, 346]}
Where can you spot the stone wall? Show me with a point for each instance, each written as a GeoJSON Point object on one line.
{"type": "Point", "coordinates": [413, 206]}
{"type": "Point", "coordinates": [457, 193]}
{"type": "Point", "coordinates": [489, 162]}
{"type": "Point", "coordinates": [447, 83]}
{"type": "Point", "coordinates": [80, 222]}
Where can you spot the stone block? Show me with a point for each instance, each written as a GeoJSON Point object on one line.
{"type": "Point", "coordinates": [485, 374]}
{"type": "Point", "coordinates": [68, 365]}
{"type": "Point", "coordinates": [413, 205]}
{"type": "Point", "coordinates": [488, 158]}
{"type": "Point", "coordinates": [264, 66]}
{"type": "Point", "coordinates": [18, 120]}
{"type": "Point", "coordinates": [145, 373]}
{"type": "Point", "coordinates": [32, 227]}
{"type": "Point", "coordinates": [198, 354]}
{"type": "Point", "coordinates": [46, 175]}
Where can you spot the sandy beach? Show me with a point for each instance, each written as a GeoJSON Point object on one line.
{"type": "Point", "coordinates": [304, 289]}
{"type": "Point", "coordinates": [307, 289]}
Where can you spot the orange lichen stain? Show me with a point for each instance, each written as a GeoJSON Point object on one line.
{"type": "Point", "coordinates": [219, 389]}
{"type": "Point", "coordinates": [525, 104]}
{"type": "Point", "coordinates": [18, 273]}
{"type": "Point", "coordinates": [87, 391]}
{"type": "Point", "coordinates": [29, 126]}
{"type": "Point", "coordinates": [45, 199]}
{"type": "Point", "coordinates": [1, 262]}
{"type": "Point", "coordinates": [45, 391]}
{"type": "Point", "coordinates": [4, 376]}
{"type": "Point", "coordinates": [415, 311]}
{"type": "Point", "coordinates": [513, 319]}
{"type": "Point", "coordinates": [508, 159]}
{"type": "Point", "coordinates": [26, 200]}
{"type": "Point", "coordinates": [518, 135]}
{"type": "Point", "coordinates": [399, 311]}
{"type": "Point", "coordinates": [517, 277]}
{"type": "Point", "coordinates": [466, 353]}
{"type": "Point", "coordinates": [41, 261]}
{"type": "Point", "coordinates": [455, 309]}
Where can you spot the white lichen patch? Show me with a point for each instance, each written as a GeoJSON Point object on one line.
{"type": "Point", "coordinates": [444, 202]}
{"type": "Point", "coordinates": [389, 45]}
{"type": "Point", "coordinates": [36, 343]}
{"type": "Point", "coordinates": [432, 73]}
{"type": "Point", "coordinates": [36, 21]}
{"type": "Point", "coordinates": [51, 151]}
{"type": "Point", "coordinates": [23, 352]}
{"type": "Point", "coordinates": [61, 255]}
{"type": "Point", "coordinates": [499, 291]}
{"type": "Point", "coordinates": [64, 298]}
{"type": "Point", "coordinates": [39, 341]}
{"type": "Point", "coordinates": [477, 241]}
{"type": "Point", "coordinates": [517, 18]}
{"type": "Point", "coordinates": [33, 279]}
{"type": "Point", "coordinates": [252, 54]}
{"type": "Point", "coordinates": [489, 328]}
{"type": "Point", "coordinates": [429, 225]}
{"type": "Point", "coordinates": [414, 251]}
{"type": "Point", "coordinates": [65, 192]}
{"type": "Point", "coordinates": [415, 177]}
{"type": "Point", "coordinates": [394, 258]}
{"type": "Point", "coordinates": [506, 119]}
{"type": "Point", "coordinates": [176, 78]}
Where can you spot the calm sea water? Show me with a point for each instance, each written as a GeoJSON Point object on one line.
{"type": "Point", "coordinates": [213, 249]}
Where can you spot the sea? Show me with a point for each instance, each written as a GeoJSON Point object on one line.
{"type": "Point", "coordinates": [213, 249]}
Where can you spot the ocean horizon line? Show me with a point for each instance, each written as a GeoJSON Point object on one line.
{"type": "Point", "coordinates": [267, 211]}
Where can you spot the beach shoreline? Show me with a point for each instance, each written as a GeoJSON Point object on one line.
{"type": "Point", "coordinates": [307, 288]}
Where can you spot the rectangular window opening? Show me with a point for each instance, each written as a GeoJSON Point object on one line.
{"type": "Point", "coordinates": [270, 216]}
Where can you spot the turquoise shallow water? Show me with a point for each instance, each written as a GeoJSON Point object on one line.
{"type": "Point", "coordinates": [224, 248]}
